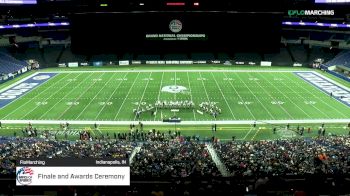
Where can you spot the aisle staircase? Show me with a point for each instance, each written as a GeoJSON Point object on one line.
{"type": "Point", "coordinates": [222, 168]}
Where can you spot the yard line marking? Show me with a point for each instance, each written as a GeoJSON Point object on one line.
{"type": "Point", "coordinates": [126, 96]}
{"type": "Point", "coordinates": [255, 97]}
{"type": "Point", "coordinates": [160, 89]}
{"type": "Point", "coordinates": [223, 96]}
{"type": "Point", "coordinates": [240, 97]}
{"type": "Point", "coordinates": [189, 85]}
{"type": "Point", "coordinates": [109, 80]}
{"type": "Point", "coordinates": [256, 133]}
{"type": "Point", "coordinates": [31, 99]}
{"type": "Point", "coordinates": [204, 87]}
{"type": "Point", "coordinates": [272, 98]}
{"type": "Point", "coordinates": [308, 92]}
{"type": "Point", "coordinates": [285, 95]}
{"type": "Point", "coordinates": [175, 85]}
{"type": "Point", "coordinates": [304, 98]}
{"type": "Point", "coordinates": [250, 130]}
{"type": "Point", "coordinates": [81, 94]}
{"type": "Point", "coordinates": [110, 97]}
{"type": "Point", "coordinates": [80, 83]}
{"type": "Point", "coordinates": [143, 94]}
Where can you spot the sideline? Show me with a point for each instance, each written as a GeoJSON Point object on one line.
{"type": "Point", "coordinates": [224, 122]}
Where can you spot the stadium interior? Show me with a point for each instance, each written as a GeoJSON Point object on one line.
{"type": "Point", "coordinates": [200, 97]}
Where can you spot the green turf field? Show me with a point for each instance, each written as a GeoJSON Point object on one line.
{"type": "Point", "coordinates": [112, 96]}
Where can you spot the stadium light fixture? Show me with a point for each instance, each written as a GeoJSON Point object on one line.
{"type": "Point", "coordinates": [175, 3]}
{"type": "Point", "coordinates": [31, 25]}
{"type": "Point", "coordinates": [333, 25]}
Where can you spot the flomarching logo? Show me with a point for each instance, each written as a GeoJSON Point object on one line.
{"type": "Point", "coordinates": [24, 175]}
{"type": "Point", "coordinates": [175, 26]}
{"type": "Point", "coordinates": [311, 12]}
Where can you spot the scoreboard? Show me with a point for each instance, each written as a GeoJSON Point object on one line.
{"type": "Point", "coordinates": [174, 31]}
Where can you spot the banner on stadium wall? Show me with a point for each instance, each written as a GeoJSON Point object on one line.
{"type": "Point", "coordinates": [136, 62]}
{"type": "Point", "coordinates": [126, 62]}
{"type": "Point", "coordinates": [152, 62]}
{"type": "Point", "coordinates": [172, 62]}
{"type": "Point", "coordinates": [199, 62]}
{"type": "Point", "coordinates": [84, 64]}
{"type": "Point", "coordinates": [251, 63]}
{"type": "Point", "coordinates": [215, 62]}
{"type": "Point", "coordinates": [186, 62]}
{"type": "Point", "coordinates": [265, 63]}
{"type": "Point", "coordinates": [297, 65]}
{"type": "Point", "coordinates": [62, 65]}
{"type": "Point", "coordinates": [239, 63]}
{"type": "Point", "coordinates": [73, 64]}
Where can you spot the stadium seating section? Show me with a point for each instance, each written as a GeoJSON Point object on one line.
{"type": "Point", "coordinates": [8, 64]}
{"type": "Point", "coordinates": [341, 59]}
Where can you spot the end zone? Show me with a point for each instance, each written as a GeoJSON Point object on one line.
{"type": "Point", "coordinates": [340, 93]}
{"type": "Point", "coordinates": [22, 87]}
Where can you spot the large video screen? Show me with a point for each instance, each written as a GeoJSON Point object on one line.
{"type": "Point", "coordinates": [18, 2]}
{"type": "Point", "coordinates": [332, 1]}
{"type": "Point", "coordinates": [174, 31]}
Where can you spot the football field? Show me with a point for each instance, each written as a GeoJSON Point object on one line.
{"type": "Point", "coordinates": [114, 95]}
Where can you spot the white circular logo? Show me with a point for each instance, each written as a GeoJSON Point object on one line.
{"type": "Point", "coordinates": [24, 175]}
{"type": "Point", "coordinates": [42, 77]}
{"type": "Point", "coordinates": [175, 26]}
{"type": "Point", "coordinates": [174, 89]}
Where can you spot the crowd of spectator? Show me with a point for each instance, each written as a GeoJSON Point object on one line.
{"type": "Point", "coordinates": [14, 148]}
{"type": "Point", "coordinates": [169, 154]}
{"type": "Point", "coordinates": [297, 157]}
{"type": "Point", "coordinates": [174, 158]}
